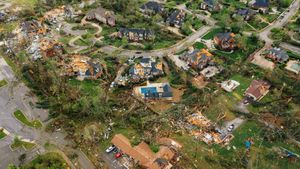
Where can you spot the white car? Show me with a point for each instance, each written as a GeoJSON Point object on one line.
{"type": "Point", "coordinates": [110, 149]}
{"type": "Point", "coordinates": [230, 128]}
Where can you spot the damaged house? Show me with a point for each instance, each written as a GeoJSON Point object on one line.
{"type": "Point", "coordinates": [176, 18]}
{"type": "Point", "coordinates": [257, 90]}
{"type": "Point", "coordinates": [226, 41]}
{"type": "Point", "coordinates": [148, 67]}
{"type": "Point", "coordinates": [154, 91]}
{"type": "Point", "coordinates": [102, 15]}
{"type": "Point", "coordinates": [211, 5]}
{"type": "Point", "coordinates": [83, 67]}
{"type": "Point", "coordinates": [44, 48]}
{"type": "Point", "coordinates": [136, 35]}
{"type": "Point", "coordinates": [144, 156]}
{"type": "Point", "coordinates": [32, 28]}
{"type": "Point", "coordinates": [277, 55]}
{"type": "Point", "coordinates": [197, 59]}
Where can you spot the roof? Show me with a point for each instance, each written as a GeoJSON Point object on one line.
{"type": "Point", "coordinates": [211, 2]}
{"type": "Point", "coordinates": [226, 36]}
{"type": "Point", "coordinates": [245, 12]}
{"type": "Point", "coordinates": [176, 17]}
{"type": "Point", "coordinates": [257, 89]}
{"type": "Point", "coordinates": [152, 5]}
{"type": "Point", "coordinates": [142, 152]}
{"type": "Point", "coordinates": [279, 53]}
{"type": "Point", "coordinates": [198, 57]}
{"type": "Point", "coordinates": [169, 142]}
{"type": "Point", "coordinates": [293, 66]}
{"type": "Point", "coordinates": [136, 30]}
{"type": "Point", "coordinates": [100, 12]}
{"type": "Point", "coordinates": [261, 3]}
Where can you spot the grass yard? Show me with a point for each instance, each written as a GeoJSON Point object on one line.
{"type": "Point", "coordinates": [244, 84]}
{"type": "Point", "coordinates": [3, 83]}
{"type": "Point", "coordinates": [20, 143]}
{"type": "Point", "coordinates": [50, 160]}
{"type": "Point", "coordinates": [22, 118]}
{"type": "Point", "coordinates": [25, 3]}
{"type": "Point", "coordinates": [199, 45]}
{"type": "Point", "coordinates": [211, 34]}
{"type": "Point", "coordinates": [2, 134]}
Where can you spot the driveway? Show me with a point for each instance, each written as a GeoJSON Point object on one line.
{"type": "Point", "coordinates": [111, 161]}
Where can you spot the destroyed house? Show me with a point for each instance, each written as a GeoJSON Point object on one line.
{"type": "Point", "coordinates": [102, 15]}
{"type": "Point", "coordinates": [51, 48]}
{"type": "Point", "coordinates": [136, 34]}
{"type": "Point", "coordinates": [210, 5]}
{"type": "Point", "coordinates": [226, 41]}
{"type": "Point", "coordinates": [176, 18]}
{"type": "Point", "coordinates": [143, 155]}
{"type": "Point", "coordinates": [69, 11]}
{"type": "Point", "coordinates": [32, 27]}
{"type": "Point", "coordinates": [83, 67]}
{"type": "Point", "coordinates": [277, 55]}
{"type": "Point", "coordinates": [147, 68]}
{"type": "Point", "coordinates": [197, 59]}
{"type": "Point", "coordinates": [257, 89]}
{"type": "Point", "coordinates": [152, 7]}
{"type": "Point", "coordinates": [247, 14]}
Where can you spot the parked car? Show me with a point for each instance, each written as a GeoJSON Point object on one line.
{"type": "Point", "coordinates": [230, 128]}
{"type": "Point", "coordinates": [118, 155]}
{"type": "Point", "coordinates": [110, 149]}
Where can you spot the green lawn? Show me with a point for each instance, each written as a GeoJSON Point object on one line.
{"type": "Point", "coordinates": [22, 118]}
{"type": "Point", "coordinates": [3, 83]}
{"type": "Point", "coordinates": [244, 84]}
{"type": "Point", "coordinates": [211, 34]}
{"type": "Point", "coordinates": [19, 143]}
{"type": "Point", "coordinates": [2, 134]}
{"type": "Point", "coordinates": [199, 45]}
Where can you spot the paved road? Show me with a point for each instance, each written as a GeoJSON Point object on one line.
{"type": "Point", "coordinates": [14, 96]}
{"type": "Point", "coordinates": [258, 59]}
{"type": "Point", "coordinates": [183, 44]}
{"type": "Point", "coordinates": [290, 47]}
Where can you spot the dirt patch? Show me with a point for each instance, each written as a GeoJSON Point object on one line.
{"type": "Point", "coordinates": [270, 118]}
{"type": "Point", "coordinates": [199, 82]}
{"type": "Point", "coordinates": [161, 105]}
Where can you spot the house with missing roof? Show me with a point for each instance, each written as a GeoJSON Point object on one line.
{"type": "Point", "coordinates": [148, 67]}
{"type": "Point", "coordinates": [144, 156]}
{"type": "Point", "coordinates": [136, 35]}
{"type": "Point", "coordinates": [229, 85]}
{"type": "Point", "coordinates": [197, 59]}
{"type": "Point", "coordinates": [151, 8]}
{"type": "Point", "coordinates": [246, 14]}
{"type": "Point", "coordinates": [211, 5]}
{"type": "Point", "coordinates": [176, 18]}
{"type": "Point", "coordinates": [261, 5]}
{"type": "Point", "coordinates": [226, 41]}
{"type": "Point", "coordinates": [102, 15]}
{"type": "Point", "coordinates": [83, 67]}
{"type": "Point", "coordinates": [277, 55]}
{"type": "Point", "coordinates": [154, 91]}
{"type": "Point", "coordinates": [257, 90]}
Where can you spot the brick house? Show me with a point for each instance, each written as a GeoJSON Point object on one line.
{"type": "Point", "coordinates": [136, 35]}
{"type": "Point", "coordinates": [226, 41]}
